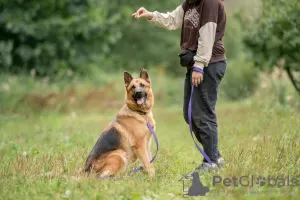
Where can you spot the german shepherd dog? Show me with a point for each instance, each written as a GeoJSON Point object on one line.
{"type": "Point", "coordinates": [127, 138]}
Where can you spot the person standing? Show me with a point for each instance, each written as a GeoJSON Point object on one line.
{"type": "Point", "coordinates": [202, 24]}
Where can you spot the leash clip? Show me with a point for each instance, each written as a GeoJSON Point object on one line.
{"type": "Point", "coordinates": [147, 119]}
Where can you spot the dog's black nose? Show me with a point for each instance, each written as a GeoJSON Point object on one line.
{"type": "Point", "coordinates": [138, 94]}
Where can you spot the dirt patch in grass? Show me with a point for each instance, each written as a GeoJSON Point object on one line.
{"type": "Point", "coordinates": [75, 99]}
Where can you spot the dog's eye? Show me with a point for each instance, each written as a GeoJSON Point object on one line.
{"type": "Point", "coordinates": [142, 85]}
{"type": "Point", "coordinates": [133, 87]}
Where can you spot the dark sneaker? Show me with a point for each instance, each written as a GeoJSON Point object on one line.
{"type": "Point", "coordinates": [206, 167]}
{"type": "Point", "coordinates": [220, 162]}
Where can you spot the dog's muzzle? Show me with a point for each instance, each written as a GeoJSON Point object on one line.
{"type": "Point", "coordinates": [140, 97]}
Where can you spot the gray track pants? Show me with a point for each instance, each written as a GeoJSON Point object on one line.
{"type": "Point", "coordinates": [204, 120]}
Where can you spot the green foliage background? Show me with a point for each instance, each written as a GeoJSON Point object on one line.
{"type": "Point", "coordinates": [275, 34]}
{"type": "Point", "coordinates": [56, 36]}
{"type": "Point", "coordinates": [87, 37]}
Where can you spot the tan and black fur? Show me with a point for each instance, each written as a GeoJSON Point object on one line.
{"type": "Point", "coordinates": [127, 138]}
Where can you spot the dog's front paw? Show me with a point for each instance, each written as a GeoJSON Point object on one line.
{"type": "Point", "coordinates": [151, 172]}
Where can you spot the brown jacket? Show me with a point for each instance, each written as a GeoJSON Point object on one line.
{"type": "Point", "coordinates": [202, 26]}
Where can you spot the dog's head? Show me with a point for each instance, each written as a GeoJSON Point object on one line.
{"type": "Point", "coordinates": [139, 95]}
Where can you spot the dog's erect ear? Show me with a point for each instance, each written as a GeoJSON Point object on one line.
{"type": "Point", "coordinates": [127, 78]}
{"type": "Point", "coordinates": [144, 75]}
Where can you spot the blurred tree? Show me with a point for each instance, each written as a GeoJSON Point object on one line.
{"type": "Point", "coordinates": [58, 36]}
{"type": "Point", "coordinates": [275, 35]}
{"type": "Point", "coordinates": [53, 36]}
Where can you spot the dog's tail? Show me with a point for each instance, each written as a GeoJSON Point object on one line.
{"type": "Point", "coordinates": [88, 164]}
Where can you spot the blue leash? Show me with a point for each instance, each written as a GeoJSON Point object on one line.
{"type": "Point", "coordinates": [191, 131]}
{"type": "Point", "coordinates": [154, 157]}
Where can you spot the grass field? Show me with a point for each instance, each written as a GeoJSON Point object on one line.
{"type": "Point", "coordinates": [42, 153]}
{"type": "Point", "coordinates": [41, 156]}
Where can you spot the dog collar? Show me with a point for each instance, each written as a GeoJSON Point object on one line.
{"type": "Point", "coordinates": [142, 112]}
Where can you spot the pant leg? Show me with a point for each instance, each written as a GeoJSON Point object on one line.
{"type": "Point", "coordinates": [187, 94]}
{"type": "Point", "coordinates": [203, 109]}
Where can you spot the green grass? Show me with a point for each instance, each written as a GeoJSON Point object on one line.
{"type": "Point", "coordinates": [43, 148]}
{"type": "Point", "coordinates": [41, 156]}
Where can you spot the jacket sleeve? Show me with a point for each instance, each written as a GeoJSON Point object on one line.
{"type": "Point", "coordinates": [207, 34]}
{"type": "Point", "coordinates": [170, 20]}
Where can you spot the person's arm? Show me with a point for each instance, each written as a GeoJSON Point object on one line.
{"type": "Point", "coordinates": [170, 20]}
{"type": "Point", "coordinates": [207, 34]}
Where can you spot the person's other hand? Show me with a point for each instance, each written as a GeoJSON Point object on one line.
{"type": "Point", "coordinates": [197, 77]}
{"type": "Point", "coordinates": [142, 12]}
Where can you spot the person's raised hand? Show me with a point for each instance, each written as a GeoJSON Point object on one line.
{"type": "Point", "coordinates": [142, 12]}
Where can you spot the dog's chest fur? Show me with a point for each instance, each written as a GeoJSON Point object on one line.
{"type": "Point", "coordinates": [135, 124]}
